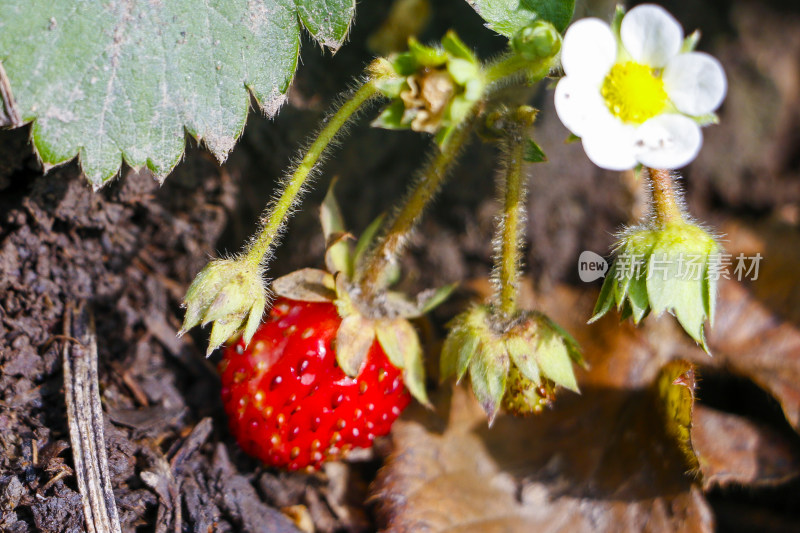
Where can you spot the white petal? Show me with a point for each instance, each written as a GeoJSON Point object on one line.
{"type": "Point", "coordinates": [651, 35]}
{"type": "Point", "coordinates": [579, 105]}
{"type": "Point", "coordinates": [589, 49]}
{"type": "Point", "coordinates": [695, 82]}
{"type": "Point", "coordinates": [611, 145]}
{"type": "Point", "coordinates": [668, 141]}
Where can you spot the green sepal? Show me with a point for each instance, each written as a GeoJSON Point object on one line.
{"type": "Point", "coordinates": [637, 298]}
{"type": "Point", "coordinates": [453, 45]}
{"type": "Point", "coordinates": [426, 56]}
{"type": "Point", "coordinates": [364, 242]}
{"type": "Point", "coordinates": [621, 289]}
{"type": "Point", "coordinates": [488, 373]}
{"type": "Point", "coordinates": [458, 109]}
{"type": "Point", "coordinates": [391, 87]}
{"type": "Point", "coordinates": [708, 119]}
{"type": "Point", "coordinates": [522, 354]}
{"type": "Point", "coordinates": [690, 42]}
{"type": "Point", "coordinates": [462, 71]}
{"type": "Point", "coordinates": [337, 252]}
{"type": "Point", "coordinates": [554, 360]}
{"type": "Point", "coordinates": [430, 301]}
{"type": "Point", "coordinates": [605, 301]}
{"type": "Point", "coordinates": [616, 21]}
{"type": "Point", "coordinates": [254, 318]}
{"type": "Point", "coordinates": [533, 152]}
{"type": "Point", "coordinates": [626, 312]}
{"type": "Point", "coordinates": [391, 118]}
{"type": "Point", "coordinates": [405, 64]}
{"type": "Point", "coordinates": [459, 348]}
{"type": "Point", "coordinates": [667, 292]}
{"type": "Point", "coordinates": [473, 90]}
{"type": "Point", "coordinates": [571, 138]}
{"type": "Point", "coordinates": [221, 331]}
{"type": "Point", "coordinates": [572, 346]}
{"type": "Point", "coordinates": [414, 375]}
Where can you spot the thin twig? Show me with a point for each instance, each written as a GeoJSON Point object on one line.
{"type": "Point", "coordinates": [85, 419]}
{"type": "Point", "coordinates": [9, 115]}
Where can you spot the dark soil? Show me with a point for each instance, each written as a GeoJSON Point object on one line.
{"type": "Point", "coordinates": [131, 250]}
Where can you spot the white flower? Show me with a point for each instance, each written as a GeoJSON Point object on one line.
{"type": "Point", "coordinates": [637, 96]}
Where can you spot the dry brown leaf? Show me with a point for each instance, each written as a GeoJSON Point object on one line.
{"type": "Point", "coordinates": [579, 468]}
{"type": "Point", "coordinates": [600, 461]}
{"type": "Point", "coordinates": [734, 450]}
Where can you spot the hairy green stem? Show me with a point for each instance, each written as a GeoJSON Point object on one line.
{"type": "Point", "coordinates": [426, 187]}
{"type": "Point", "coordinates": [276, 213]}
{"type": "Point", "coordinates": [510, 226]}
{"type": "Point", "coordinates": [665, 198]}
{"type": "Point", "coordinates": [511, 66]}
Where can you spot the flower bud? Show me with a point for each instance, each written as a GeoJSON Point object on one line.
{"type": "Point", "coordinates": [231, 294]}
{"type": "Point", "coordinates": [537, 40]}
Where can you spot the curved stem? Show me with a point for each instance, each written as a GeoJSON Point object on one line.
{"type": "Point", "coordinates": [277, 211]}
{"type": "Point", "coordinates": [394, 239]}
{"type": "Point", "coordinates": [510, 227]}
{"type": "Point", "coordinates": [665, 198]}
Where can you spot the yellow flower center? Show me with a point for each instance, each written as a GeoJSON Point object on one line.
{"type": "Point", "coordinates": [633, 92]}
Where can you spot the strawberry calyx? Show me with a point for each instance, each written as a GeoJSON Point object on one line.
{"type": "Point", "coordinates": [383, 318]}
{"type": "Point", "coordinates": [515, 363]}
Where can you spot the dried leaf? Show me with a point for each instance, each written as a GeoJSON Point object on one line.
{"type": "Point", "coordinates": [353, 340]}
{"type": "Point", "coordinates": [737, 451]}
{"type": "Point", "coordinates": [306, 285]}
{"type": "Point", "coordinates": [577, 468]}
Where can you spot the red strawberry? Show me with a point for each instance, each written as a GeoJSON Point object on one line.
{"type": "Point", "coordinates": [288, 402]}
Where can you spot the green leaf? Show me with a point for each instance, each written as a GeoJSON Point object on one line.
{"type": "Point", "coordinates": [327, 20]}
{"type": "Point", "coordinates": [121, 80]}
{"type": "Point", "coordinates": [506, 17]}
